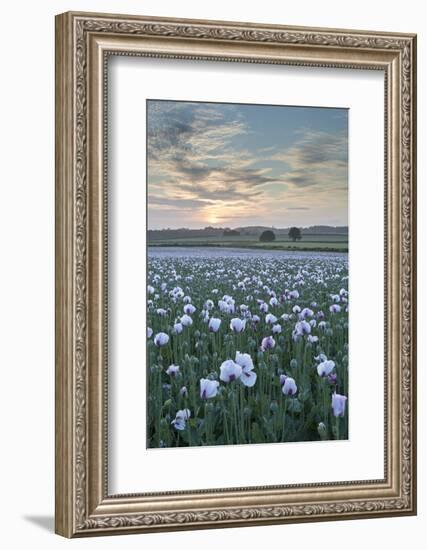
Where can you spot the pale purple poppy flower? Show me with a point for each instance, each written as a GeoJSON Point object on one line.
{"type": "Point", "coordinates": [189, 309]}
{"type": "Point", "coordinates": [263, 307]}
{"type": "Point", "coordinates": [268, 343]}
{"type": "Point", "coordinates": [270, 319]}
{"type": "Point", "coordinates": [237, 325]}
{"type": "Point", "coordinates": [325, 368]}
{"type": "Point", "coordinates": [289, 387]}
{"type": "Point", "coordinates": [186, 320]}
{"type": "Point", "coordinates": [338, 404]}
{"type": "Point", "coordinates": [149, 332]}
{"type": "Point", "coordinates": [214, 324]}
{"type": "Point", "coordinates": [248, 376]}
{"type": "Point", "coordinates": [181, 418]}
{"type": "Point", "coordinates": [173, 371]}
{"type": "Point", "coordinates": [161, 339]}
{"type": "Point", "coordinates": [306, 312]}
{"type": "Point", "coordinates": [178, 328]}
{"type": "Point", "coordinates": [230, 371]}
{"type": "Point", "coordinates": [335, 308]}
{"type": "Point", "coordinates": [208, 388]}
{"type": "Point", "coordinates": [302, 327]}
{"type": "Point", "coordinates": [276, 329]}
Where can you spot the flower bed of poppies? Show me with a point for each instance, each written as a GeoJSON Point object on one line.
{"type": "Point", "coordinates": [247, 349]}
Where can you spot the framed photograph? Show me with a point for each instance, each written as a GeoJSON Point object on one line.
{"type": "Point", "coordinates": [235, 274]}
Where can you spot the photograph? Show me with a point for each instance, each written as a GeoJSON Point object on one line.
{"type": "Point", "coordinates": [247, 313]}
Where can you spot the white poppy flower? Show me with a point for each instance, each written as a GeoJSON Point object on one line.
{"type": "Point", "coordinates": [181, 418]}
{"type": "Point", "coordinates": [338, 404]}
{"type": "Point", "coordinates": [178, 328]}
{"type": "Point", "coordinates": [270, 319]}
{"type": "Point", "coordinates": [289, 387]}
{"type": "Point", "coordinates": [335, 308]}
{"type": "Point", "coordinates": [230, 371]}
{"type": "Point", "coordinates": [214, 324]}
{"type": "Point", "coordinates": [306, 312]}
{"type": "Point", "coordinates": [173, 370]}
{"type": "Point", "coordinates": [325, 368]}
{"type": "Point", "coordinates": [149, 332]}
{"type": "Point", "coordinates": [161, 339]}
{"type": "Point", "coordinates": [296, 309]}
{"type": "Point", "coordinates": [276, 329]}
{"type": "Point", "coordinates": [186, 320]}
{"type": "Point", "coordinates": [189, 309]}
{"type": "Point", "coordinates": [244, 360]}
{"type": "Point", "coordinates": [302, 327]}
{"type": "Point", "coordinates": [208, 388]}
{"type": "Point", "coordinates": [263, 307]}
{"type": "Point", "coordinates": [237, 325]}
{"type": "Point", "coordinates": [274, 301]}
{"type": "Point", "coordinates": [150, 289]}
{"type": "Point", "coordinates": [248, 376]}
{"type": "Point", "coordinates": [162, 312]}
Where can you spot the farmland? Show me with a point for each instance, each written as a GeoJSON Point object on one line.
{"type": "Point", "coordinates": [246, 346]}
{"type": "Point", "coordinates": [315, 242]}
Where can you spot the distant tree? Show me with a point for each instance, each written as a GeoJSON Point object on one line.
{"type": "Point", "coordinates": [231, 232]}
{"type": "Point", "coordinates": [267, 236]}
{"type": "Point", "coordinates": [295, 234]}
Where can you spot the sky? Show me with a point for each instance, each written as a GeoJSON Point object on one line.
{"type": "Point", "coordinates": [234, 165]}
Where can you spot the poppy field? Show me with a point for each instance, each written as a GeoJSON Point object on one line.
{"type": "Point", "coordinates": [246, 348]}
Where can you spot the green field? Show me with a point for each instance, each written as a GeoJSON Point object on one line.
{"type": "Point", "coordinates": [337, 243]}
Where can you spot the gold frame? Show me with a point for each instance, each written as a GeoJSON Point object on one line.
{"type": "Point", "coordinates": [83, 43]}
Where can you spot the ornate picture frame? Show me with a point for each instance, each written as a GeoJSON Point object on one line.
{"type": "Point", "coordinates": [84, 42]}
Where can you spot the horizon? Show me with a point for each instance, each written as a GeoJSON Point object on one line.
{"type": "Point", "coordinates": [219, 227]}
{"type": "Point", "coordinates": [238, 165]}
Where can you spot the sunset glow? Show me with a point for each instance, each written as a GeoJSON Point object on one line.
{"type": "Point", "coordinates": [235, 165]}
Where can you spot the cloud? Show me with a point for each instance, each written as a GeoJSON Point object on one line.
{"type": "Point", "coordinates": [214, 163]}
{"type": "Point", "coordinates": [192, 151]}
{"type": "Point", "coordinates": [318, 158]}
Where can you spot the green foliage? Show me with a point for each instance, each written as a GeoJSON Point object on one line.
{"type": "Point", "coordinates": [295, 234]}
{"type": "Point", "coordinates": [267, 236]}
